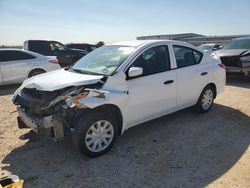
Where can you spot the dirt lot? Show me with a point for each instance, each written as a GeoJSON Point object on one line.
{"type": "Point", "coordinates": [184, 149]}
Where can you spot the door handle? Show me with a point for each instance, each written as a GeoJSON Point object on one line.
{"type": "Point", "coordinates": [204, 73]}
{"type": "Point", "coordinates": [168, 82]}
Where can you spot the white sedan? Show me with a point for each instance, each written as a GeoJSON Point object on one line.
{"type": "Point", "coordinates": [116, 87]}
{"type": "Point", "coordinates": [16, 65]}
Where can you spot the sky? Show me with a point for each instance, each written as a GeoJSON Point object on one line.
{"type": "Point", "coordinates": [118, 20]}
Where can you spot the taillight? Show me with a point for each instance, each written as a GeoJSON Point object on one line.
{"type": "Point", "coordinates": [54, 61]}
{"type": "Point", "coordinates": [222, 65]}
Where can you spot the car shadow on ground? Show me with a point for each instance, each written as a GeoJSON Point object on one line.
{"type": "Point", "coordinates": [184, 149]}
{"type": "Point", "coordinates": [8, 89]}
{"type": "Point", "coordinates": [238, 80]}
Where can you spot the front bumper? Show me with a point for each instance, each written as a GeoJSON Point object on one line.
{"type": "Point", "coordinates": [49, 124]}
{"type": "Point", "coordinates": [244, 70]}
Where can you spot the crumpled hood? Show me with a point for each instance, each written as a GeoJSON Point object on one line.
{"type": "Point", "coordinates": [59, 79]}
{"type": "Point", "coordinates": [240, 52]}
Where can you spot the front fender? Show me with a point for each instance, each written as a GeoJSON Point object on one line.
{"type": "Point", "coordinates": [114, 92]}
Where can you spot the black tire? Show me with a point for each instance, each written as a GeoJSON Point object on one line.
{"type": "Point", "coordinates": [36, 72]}
{"type": "Point", "coordinates": [83, 124]}
{"type": "Point", "coordinates": [198, 106]}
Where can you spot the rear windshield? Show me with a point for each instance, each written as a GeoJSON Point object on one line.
{"type": "Point", "coordinates": [205, 47]}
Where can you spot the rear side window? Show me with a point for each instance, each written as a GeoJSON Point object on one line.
{"type": "Point", "coordinates": [42, 47]}
{"type": "Point", "coordinates": [153, 60]}
{"type": "Point", "coordinates": [186, 56]}
{"type": "Point", "coordinates": [11, 55]}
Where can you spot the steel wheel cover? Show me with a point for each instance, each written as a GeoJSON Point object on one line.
{"type": "Point", "coordinates": [207, 99]}
{"type": "Point", "coordinates": [99, 136]}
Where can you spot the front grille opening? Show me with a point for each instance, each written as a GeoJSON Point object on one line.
{"type": "Point", "coordinates": [231, 61]}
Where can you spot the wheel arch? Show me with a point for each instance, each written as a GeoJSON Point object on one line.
{"type": "Point", "coordinates": [35, 69]}
{"type": "Point", "coordinates": [211, 84]}
{"type": "Point", "coordinates": [106, 108]}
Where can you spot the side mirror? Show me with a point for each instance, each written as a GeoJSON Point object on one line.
{"type": "Point", "coordinates": [135, 71]}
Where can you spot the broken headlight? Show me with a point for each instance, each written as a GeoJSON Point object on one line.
{"type": "Point", "coordinates": [215, 56]}
{"type": "Point", "coordinates": [245, 59]}
{"type": "Point", "coordinates": [72, 101]}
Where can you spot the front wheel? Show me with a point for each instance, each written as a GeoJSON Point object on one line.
{"type": "Point", "coordinates": [95, 134]}
{"type": "Point", "coordinates": [206, 100]}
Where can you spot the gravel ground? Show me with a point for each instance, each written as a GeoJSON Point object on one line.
{"type": "Point", "coordinates": [184, 149]}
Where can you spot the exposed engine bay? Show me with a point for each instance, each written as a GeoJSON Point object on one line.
{"type": "Point", "coordinates": [54, 110]}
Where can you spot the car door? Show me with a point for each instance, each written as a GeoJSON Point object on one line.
{"type": "Point", "coordinates": [16, 66]}
{"type": "Point", "coordinates": [192, 75]}
{"type": "Point", "coordinates": [154, 92]}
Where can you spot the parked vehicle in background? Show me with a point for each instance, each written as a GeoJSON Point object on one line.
{"type": "Point", "coordinates": [235, 56]}
{"type": "Point", "coordinates": [82, 46]}
{"type": "Point", "coordinates": [65, 56]}
{"type": "Point", "coordinates": [209, 48]}
{"type": "Point", "coordinates": [100, 44]}
{"type": "Point", "coordinates": [116, 87]}
{"type": "Point", "coordinates": [16, 65]}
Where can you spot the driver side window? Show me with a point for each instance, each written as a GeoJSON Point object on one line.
{"type": "Point", "coordinates": [154, 60]}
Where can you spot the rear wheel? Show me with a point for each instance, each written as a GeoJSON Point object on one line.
{"type": "Point", "coordinates": [36, 72]}
{"type": "Point", "coordinates": [95, 134]}
{"type": "Point", "coordinates": [206, 100]}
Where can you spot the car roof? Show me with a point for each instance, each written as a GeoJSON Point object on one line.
{"type": "Point", "coordinates": [139, 43]}
{"type": "Point", "coordinates": [79, 44]}
{"type": "Point", "coordinates": [134, 43]}
{"type": "Point", "coordinates": [40, 40]}
{"type": "Point", "coordinates": [14, 49]}
{"type": "Point", "coordinates": [241, 38]}
{"type": "Point", "coordinates": [11, 49]}
{"type": "Point", "coordinates": [210, 44]}
{"type": "Point", "coordinates": [22, 50]}
{"type": "Point", "coordinates": [143, 43]}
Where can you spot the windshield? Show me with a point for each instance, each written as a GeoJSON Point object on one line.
{"type": "Point", "coordinates": [238, 44]}
{"type": "Point", "coordinates": [93, 47]}
{"type": "Point", "coordinates": [104, 60]}
{"type": "Point", "coordinates": [57, 46]}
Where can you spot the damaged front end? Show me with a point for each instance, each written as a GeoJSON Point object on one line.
{"type": "Point", "coordinates": [51, 113]}
{"type": "Point", "coordinates": [237, 62]}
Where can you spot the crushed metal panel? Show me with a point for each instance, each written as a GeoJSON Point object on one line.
{"type": "Point", "coordinates": [115, 90]}
{"type": "Point", "coordinates": [116, 82]}
{"type": "Point", "coordinates": [96, 93]}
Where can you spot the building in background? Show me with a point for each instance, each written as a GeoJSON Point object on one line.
{"type": "Point", "coordinates": [193, 38]}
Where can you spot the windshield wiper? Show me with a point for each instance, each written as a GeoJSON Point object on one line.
{"type": "Point", "coordinates": [86, 72]}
